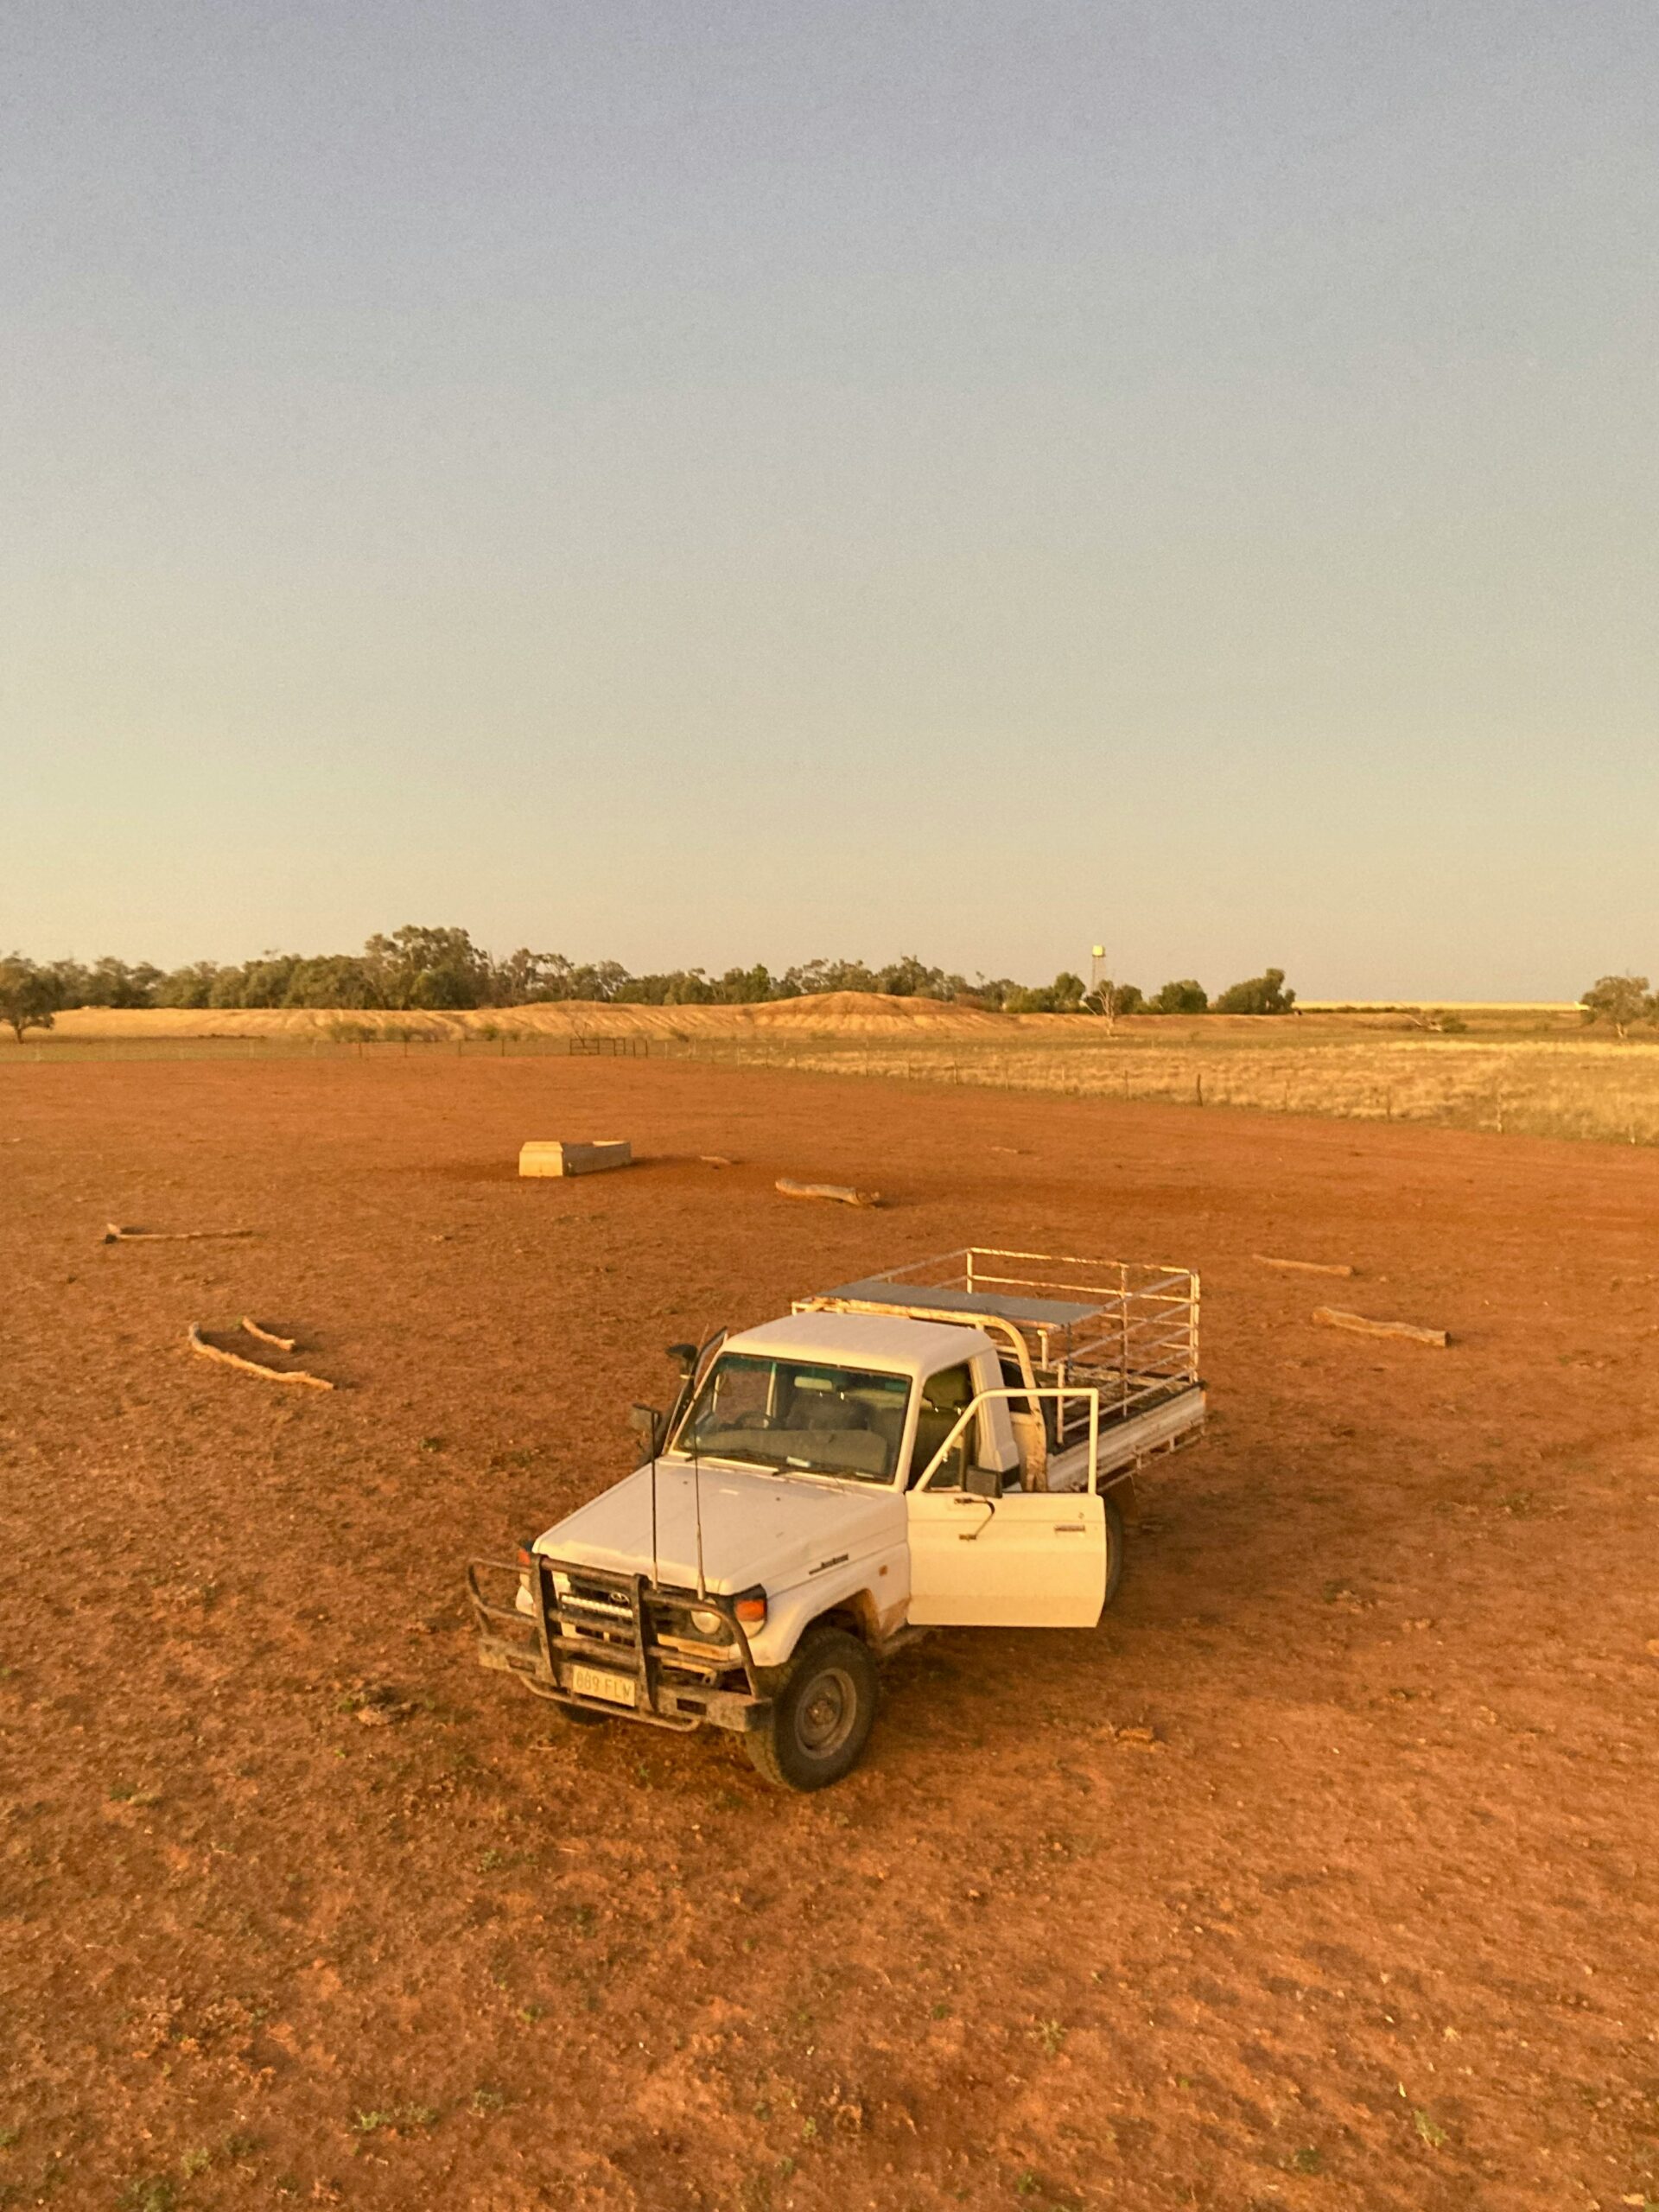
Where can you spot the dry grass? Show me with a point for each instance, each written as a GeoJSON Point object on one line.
{"type": "Point", "coordinates": [1536, 1087]}
{"type": "Point", "coordinates": [1533, 1069]}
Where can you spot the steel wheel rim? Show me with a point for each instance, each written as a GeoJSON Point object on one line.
{"type": "Point", "coordinates": [826, 1711]}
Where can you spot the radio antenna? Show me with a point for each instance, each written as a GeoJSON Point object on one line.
{"type": "Point", "coordinates": [656, 1563]}
{"type": "Point", "coordinates": [697, 1465]}
{"type": "Point", "coordinates": [696, 1503]}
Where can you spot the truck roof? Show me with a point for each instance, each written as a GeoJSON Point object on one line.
{"type": "Point", "coordinates": [887, 1341]}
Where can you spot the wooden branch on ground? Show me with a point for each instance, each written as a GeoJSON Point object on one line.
{"type": "Point", "coordinates": [283, 1343]}
{"type": "Point", "coordinates": [114, 1234]}
{"type": "Point", "coordinates": [1332, 1317]}
{"type": "Point", "coordinates": [199, 1343]}
{"type": "Point", "coordinates": [842, 1193]}
{"type": "Point", "coordinates": [1301, 1267]}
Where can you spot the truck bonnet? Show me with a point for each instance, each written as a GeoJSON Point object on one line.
{"type": "Point", "coordinates": [768, 1528]}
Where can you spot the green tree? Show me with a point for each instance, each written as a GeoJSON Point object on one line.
{"type": "Point", "coordinates": [1183, 997]}
{"type": "Point", "coordinates": [28, 995]}
{"type": "Point", "coordinates": [525, 978]}
{"type": "Point", "coordinates": [108, 981]}
{"type": "Point", "coordinates": [1622, 1000]}
{"type": "Point", "coordinates": [265, 980]}
{"type": "Point", "coordinates": [226, 987]}
{"type": "Point", "coordinates": [1063, 995]}
{"type": "Point", "coordinates": [74, 982]}
{"type": "Point", "coordinates": [191, 986]}
{"type": "Point", "coordinates": [428, 968]}
{"type": "Point", "coordinates": [1264, 994]}
{"type": "Point", "coordinates": [1113, 999]}
{"type": "Point", "coordinates": [813, 976]}
{"type": "Point", "coordinates": [114, 982]}
{"type": "Point", "coordinates": [333, 979]}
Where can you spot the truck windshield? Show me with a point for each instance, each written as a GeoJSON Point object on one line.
{"type": "Point", "coordinates": [798, 1414]}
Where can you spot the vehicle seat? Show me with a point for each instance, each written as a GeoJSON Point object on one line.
{"type": "Point", "coordinates": [826, 1409]}
{"type": "Point", "coordinates": [886, 1419]}
{"type": "Point", "coordinates": [944, 1397]}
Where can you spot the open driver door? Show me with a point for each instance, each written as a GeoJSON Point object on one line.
{"type": "Point", "coordinates": [1032, 1558]}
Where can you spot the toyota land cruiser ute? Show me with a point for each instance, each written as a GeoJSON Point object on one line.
{"type": "Point", "coordinates": [952, 1444]}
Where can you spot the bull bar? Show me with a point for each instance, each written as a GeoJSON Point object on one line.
{"type": "Point", "coordinates": [614, 1644]}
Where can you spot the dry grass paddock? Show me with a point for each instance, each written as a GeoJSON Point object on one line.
{"type": "Point", "coordinates": [1531, 1071]}
{"type": "Point", "coordinates": [1553, 1086]}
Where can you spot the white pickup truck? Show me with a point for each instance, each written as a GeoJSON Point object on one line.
{"type": "Point", "coordinates": [950, 1445]}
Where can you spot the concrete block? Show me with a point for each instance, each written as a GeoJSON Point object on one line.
{"type": "Point", "coordinates": [548, 1156]}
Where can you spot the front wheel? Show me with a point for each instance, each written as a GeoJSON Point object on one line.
{"type": "Point", "coordinates": [820, 1717]}
{"type": "Point", "coordinates": [1114, 1551]}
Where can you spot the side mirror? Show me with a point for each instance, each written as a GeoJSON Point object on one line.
{"type": "Point", "coordinates": [686, 1355]}
{"type": "Point", "coordinates": [646, 1422]}
{"type": "Point", "coordinates": [982, 1482]}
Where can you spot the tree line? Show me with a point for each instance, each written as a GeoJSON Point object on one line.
{"type": "Point", "coordinates": [439, 971]}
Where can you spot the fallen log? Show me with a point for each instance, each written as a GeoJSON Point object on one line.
{"type": "Point", "coordinates": [1301, 1267]}
{"type": "Point", "coordinates": [1332, 1317]}
{"type": "Point", "coordinates": [199, 1343]}
{"type": "Point", "coordinates": [283, 1343]}
{"type": "Point", "coordinates": [113, 1234]}
{"type": "Point", "coordinates": [842, 1193]}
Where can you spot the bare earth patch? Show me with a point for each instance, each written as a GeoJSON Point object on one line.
{"type": "Point", "coordinates": [1319, 1876]}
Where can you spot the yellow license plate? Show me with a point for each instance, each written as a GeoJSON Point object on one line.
{"type": "Point", "coordinates": [597, 1682]}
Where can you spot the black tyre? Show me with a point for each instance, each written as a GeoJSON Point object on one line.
{"type": "Point", "coordinates": [820, 1717]}
{"type": "Point", "coordinates": [1114, 1551]}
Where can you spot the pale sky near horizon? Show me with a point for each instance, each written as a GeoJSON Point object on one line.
{"type": "Point", "coordinates": [732, 482]}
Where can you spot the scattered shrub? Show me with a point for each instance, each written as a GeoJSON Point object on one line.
{"type": "Point", "coordinates": [1622, 1000]}
{"type": "Point", "coordinates": [28, 995]}
{"type": "Point", "coordinates": [1264, 994]}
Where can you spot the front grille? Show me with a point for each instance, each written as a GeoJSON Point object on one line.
{"type": "Point", "coordinates": [564, 1615]}
{"type": "Point", "coordinates": [592, 1605]}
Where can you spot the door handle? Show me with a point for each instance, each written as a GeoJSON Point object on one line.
{"type": "Point", "coordinates": [973, 1535]}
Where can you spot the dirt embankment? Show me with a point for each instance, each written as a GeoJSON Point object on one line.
{"type": "Point", "coordinates": [832, 1013]}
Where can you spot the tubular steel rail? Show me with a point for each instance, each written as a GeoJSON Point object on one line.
{"type": "Point", "coordinates": [612, 1642]}
{"type": "Point", "coordinates": [1131, 1335]}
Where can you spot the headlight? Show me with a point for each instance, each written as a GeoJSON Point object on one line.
{"type": "Point", "coordinates": [707, 1623]}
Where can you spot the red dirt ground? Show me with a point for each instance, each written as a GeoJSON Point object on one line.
{"type": "Point", "coordinates": [1373, 1925]}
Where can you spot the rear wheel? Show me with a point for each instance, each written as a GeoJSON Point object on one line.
{"type": "Point", "coordinates": [820, 1717]}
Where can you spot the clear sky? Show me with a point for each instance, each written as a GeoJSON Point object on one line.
{"type": "Point", "coordinates": [763, 477]}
